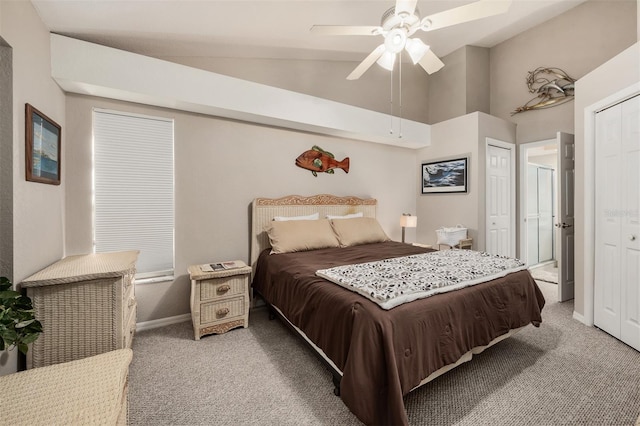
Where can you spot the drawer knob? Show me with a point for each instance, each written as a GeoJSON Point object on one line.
{"type": "Point", "coordinates": [223, 289]}
{"type": "Point", "coordinates": [222, 312]}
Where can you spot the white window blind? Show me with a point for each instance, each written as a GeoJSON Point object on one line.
{"type": "Point", "coordinates": [133, 188]}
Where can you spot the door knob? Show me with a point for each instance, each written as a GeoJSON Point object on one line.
{"type": "Point", "coordinates": [563, 225]}
{"type": "Point", "coordinates": [632, 237]}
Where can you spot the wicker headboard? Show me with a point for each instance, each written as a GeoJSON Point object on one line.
{"type": "Point", "coordinates": [264, 209]}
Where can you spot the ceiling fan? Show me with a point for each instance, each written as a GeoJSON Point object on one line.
{"type": "Point", "coordinates": [402, 21]}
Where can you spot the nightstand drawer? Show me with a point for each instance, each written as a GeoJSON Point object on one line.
{"type": "Point", "coordinates": [216, 288]}
{"type": "Point", "coordinates": [225, 309]}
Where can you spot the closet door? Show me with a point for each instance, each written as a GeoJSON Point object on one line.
{"type": "Point", "coordinates": [608, 198]}
{"type": "Point", "coordinates": [630, 223]}
{"type": "Point", "coordinates": [617, 269]}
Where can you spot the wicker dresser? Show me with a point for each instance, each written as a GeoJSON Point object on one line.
{"type": "Point", "coordinates": [219, 299]}
{"type": "Point", "coordinates": [86, 305]}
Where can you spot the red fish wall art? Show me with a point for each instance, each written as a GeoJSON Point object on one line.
{"type": "Point", "coordinates": [318, 160]}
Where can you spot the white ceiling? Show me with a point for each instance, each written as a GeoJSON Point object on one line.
{"type": "Point", "coordinates": [270, 29]}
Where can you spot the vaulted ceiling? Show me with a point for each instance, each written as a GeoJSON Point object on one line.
{"type": "Point", "coordinates": [270, 29]}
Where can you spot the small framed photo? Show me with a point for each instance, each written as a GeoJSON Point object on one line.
{"type": "Point", "coordinates": [43, 136]}
{"type": "Point", "coordinates": [445, 176]}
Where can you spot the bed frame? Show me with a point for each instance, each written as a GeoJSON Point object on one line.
{"type": "Point", "coordinates": [263, 212]}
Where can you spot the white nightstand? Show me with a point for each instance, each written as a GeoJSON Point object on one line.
{"type": "Point", "coordinates": [219, 299]}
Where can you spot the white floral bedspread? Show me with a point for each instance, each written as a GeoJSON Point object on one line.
{"type": "Point", "coordinates": [392, 282]}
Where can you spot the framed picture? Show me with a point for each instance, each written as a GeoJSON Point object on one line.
{"type": "Point", "coordinates": [42, 152]}
{"type": "Point", "coordinates": [445, 176]}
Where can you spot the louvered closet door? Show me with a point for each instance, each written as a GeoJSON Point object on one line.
{"type": "Point", "coordinates": [617, 268]}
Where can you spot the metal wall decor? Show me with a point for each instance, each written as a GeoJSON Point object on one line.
{"type": "Point", "coordinates": [552, 87]}
{"type": "Point", "coordinates": [318, 160]}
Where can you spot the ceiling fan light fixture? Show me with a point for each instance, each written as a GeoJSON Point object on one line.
{"type": "Point", "coordinates": [416, 49]}
{"type": "Point", "coordinates": [395, 40]}
{"type": "Point", "coordinates": [387, 60]}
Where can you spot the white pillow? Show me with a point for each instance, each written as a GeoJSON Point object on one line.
{"type": "Point", "coordinates": [346, 216]}
{"type": "Point", "coordinates": [314, 216]}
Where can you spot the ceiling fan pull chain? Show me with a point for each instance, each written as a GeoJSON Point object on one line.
{"type": "Point", "coordinates": [391, 104]}
{"type": "Point", "coordinates": [400, 96]}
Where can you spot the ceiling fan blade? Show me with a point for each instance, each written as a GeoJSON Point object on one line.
{"type": "Point", "coordinates": [430, 62]}
{"type": "Point", "coordinates": [366, 64]}
{"type": "Point", "coordinates": [406, 6]}
{"type": "Point", "coordinates": [466, 13]}
{"type": "Point", "coordinates": [345, 30]}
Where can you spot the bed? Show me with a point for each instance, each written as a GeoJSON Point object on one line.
{"type": "Point", "coordinates": [376, 355]}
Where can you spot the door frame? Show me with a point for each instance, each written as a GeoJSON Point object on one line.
{"type": "Point", "coordinates": [512, 189]}
{"type": "Point", "coordinates": [589, 226]}
{"type": "Point", "coordinates": [522, 193]}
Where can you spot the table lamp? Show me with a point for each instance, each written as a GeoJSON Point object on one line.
{"type": "Point", "coordinates": [407, 221]}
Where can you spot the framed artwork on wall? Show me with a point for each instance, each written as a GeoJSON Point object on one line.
{"type": "Point", "coordinates": [42, 151]}
{"type": "Point", "coordinates": [445, 176]}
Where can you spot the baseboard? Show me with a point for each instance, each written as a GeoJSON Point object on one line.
{"type": "Point", "coordinates": [162, 322]}
{"type": "Point", "coordinates": [579, 317]}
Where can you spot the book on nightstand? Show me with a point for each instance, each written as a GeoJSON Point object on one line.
{"type": "Point", "coordinates": [219, 266]}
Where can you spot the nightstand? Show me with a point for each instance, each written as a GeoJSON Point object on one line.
{"type": "Point", "coordinates": [465, 243]}
{"type": "Point", "coordinates": [219, 299]}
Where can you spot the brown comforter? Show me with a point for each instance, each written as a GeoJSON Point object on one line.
{"type": "Point", "coordinates": [384, 354]}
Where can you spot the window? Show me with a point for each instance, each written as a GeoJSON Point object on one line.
{"type": "Point", "coordinates": [133, 188]}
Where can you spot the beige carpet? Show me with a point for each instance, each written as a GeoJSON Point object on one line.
{"type": "Point", "coordinates": [542, 274]}
{"type": "Point", "coordinates": [559, 374]}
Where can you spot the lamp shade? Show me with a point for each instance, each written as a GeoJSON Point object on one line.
{"type": "Point", "coordinates": [408, 221]}
{"type": "Point", "coordinates": [416, 49]}
{"type": "Point", "coordinates": [387, 60]}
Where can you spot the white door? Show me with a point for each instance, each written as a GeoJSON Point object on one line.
{"type": "Point", "coordinates": [500, 199]}
{"type": "Point", "coordinates": [617, 230]}
{"type": "Point", "coordinates": [565, 224]}
{"type": "Point", "coordinates": [630, 224]}
{"type": "Point", "coordinates": [607, 176]}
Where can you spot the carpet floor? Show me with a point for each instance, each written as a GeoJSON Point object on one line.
{"type": "Point", "coordinates": [563, 373]}
{"type": "Point", "coordinates": [542, 274]}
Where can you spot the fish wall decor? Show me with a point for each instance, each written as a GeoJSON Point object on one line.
{"type": "Point", "coordinates": [553, 87]}
{"type": "Point", "coordinates": [317, 160]}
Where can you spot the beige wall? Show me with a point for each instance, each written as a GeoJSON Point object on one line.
{"type": "Point", "coordinates": [613, 76]}
{"type": "Point", "coordinates": [477, 80]}
{"type": "Point", "coordinates": [220, 167]}
{"type": "Point", "coordinates": [550, 160]}
{"type": "Point", "coordinates": [577, 42]}
{"type": "Point", "coordinates": [462, 86]}
{"type": "Point", "coordinates": [447, 88]}
{"type": "Point", "coordinates": [38, 209]}
{"type": "Point", "coordinates": [453, 138]}
{"type": "Point", "coordinates": [461, 136]}
{"type": "Point", "coordinates": [371, 91]}
{"type": "Point", "coordinates": [6, 160]}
